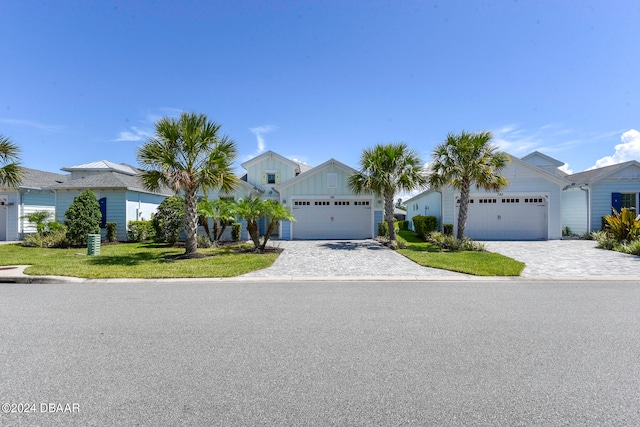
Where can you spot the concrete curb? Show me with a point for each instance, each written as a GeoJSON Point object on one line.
{"type": "Point", "coordinates": [15, 274]}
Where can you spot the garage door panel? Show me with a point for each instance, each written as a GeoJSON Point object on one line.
{"type": "Point", "coordinates": [507, 218]}
{"type": "Point", "coordinates": [331, 219]}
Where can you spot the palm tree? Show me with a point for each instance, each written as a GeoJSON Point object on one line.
{"type": "Point", "coordinates": [386, 170]}
{"type": "Point", "coordinates": [221, 211]}
{"type": "Point", "coordinates": [10, 173]}
{"type": "Point", "coordinates": [187, 155]}
{"type": "Point", "coordinates": [464, 160]}
{"type": "Point", "coordinates": [253, 208]}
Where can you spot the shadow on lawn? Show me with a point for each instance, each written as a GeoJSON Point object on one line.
{"type": "Point", "coordinates": [129, 259]}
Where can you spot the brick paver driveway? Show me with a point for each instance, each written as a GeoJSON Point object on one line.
{"type": "Point", "coordinates": [568, 258]}
{"type": "Point", "coordinates": [369, 259]}
{"type": "Point", "coordinates": [344, 258]}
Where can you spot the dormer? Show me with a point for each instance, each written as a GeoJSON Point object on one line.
{"type": "Point", "coordinates": [270, 169]}
{"type": "Point", "coordinates": [544, 162]}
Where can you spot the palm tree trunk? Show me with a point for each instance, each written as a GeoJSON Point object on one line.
{"type": "Point", "coordinates": [265, 239]}
{"type": "Point", "coordinates": [252, 228]}
{"type": "Point", "coordinates": [191, 222]}
{"type": "Point", "coordinates": [464, 209]}
{"type": "Point", "coordinates": [388, 213]}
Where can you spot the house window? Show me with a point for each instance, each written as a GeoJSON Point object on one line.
{"type": "Point", "coordinates": [628, 200]}
{"type": "Point", "coordinates": [332, 180]}
{"type": "Point", "coordinates": [271, 178]}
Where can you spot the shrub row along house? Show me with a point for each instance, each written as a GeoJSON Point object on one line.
{"type": "Point", "coordinates": [539, 202]}
{"type": "Point", "coordinates": [319, 197]}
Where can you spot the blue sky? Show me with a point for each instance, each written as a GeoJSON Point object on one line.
{"type": "Point", "coordinates": [86, 80]}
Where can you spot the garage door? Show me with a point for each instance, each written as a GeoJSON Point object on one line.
{"type": "Point", "coordinates": [331, 219]}
{"type": "Point", "coordinates": [507, 218]}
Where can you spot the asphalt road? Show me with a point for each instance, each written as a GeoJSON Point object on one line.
{"type": "Point", "coordinates": [381, 353]}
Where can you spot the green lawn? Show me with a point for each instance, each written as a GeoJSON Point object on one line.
{"type": "Point", "coordinates": [133, 260]}
{"type": "Point", "coordinates": [476, 263]}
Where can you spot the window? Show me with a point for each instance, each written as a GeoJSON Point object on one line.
{"type": "Point", "coordinates": [271, 178]}
{"type": "Point", "coordinates": [301, 203]}
{"type": "Point", "coordinates": [332, 180]}
{"type": "Point", "coordinates": [628, 200]}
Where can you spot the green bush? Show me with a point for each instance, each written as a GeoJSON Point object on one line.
{"type": "Point", "coordinates": [39, 218]}
{"type": "Point", "coordinates": [604, 240]}
{"type": "Point", "coordinates": [56, 238]}
{"type": "Point", "coordinates": [140, 231]}
{"type": "Point", "coordinates": [632, 248]}
{"type": "Point", "coordinates": [383, 229]}
{"type": "Point", "coordinates": [403, 225]}
{"type": "Point", "coordinates": [112, 231]}
{"type": "Point", "coordinates": [168, 221]}
{"type": "Point", "coordinates": [236, 227]}
{"type": "Point", "coordinates": [450, 242]}
{"type": "Point", "coordinates": [423, 225]}
{"type": "Point", "coordinates": [83, 218]}
{"type": "Point", "coordinates": [204, 241]}
{"type": "Point", "coordinates": [448, 229]}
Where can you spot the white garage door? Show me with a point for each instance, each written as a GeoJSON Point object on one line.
{"type": "Point", "coordinates": [331, 219]}
{"type": "Point", "coordinates": [507, 218]}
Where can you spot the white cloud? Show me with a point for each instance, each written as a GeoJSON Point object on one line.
{"type": "Point", "coordinates": [260, 132]}
{"type": "Point", "coordinates": [565, 168]}
{"type": "Point", "coordinates": [32, 124]}
{"type": "Point", "coordinates": [629, 149]}
{"type": "Point", "coordinates": [135, 134]}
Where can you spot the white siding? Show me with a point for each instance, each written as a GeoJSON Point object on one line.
{"type": "Point", "coordinates": [270, 163]}
{"type": "Point", "coordinates": [574, 210]}
{"type": "Point", "coordinates": [428, 203]}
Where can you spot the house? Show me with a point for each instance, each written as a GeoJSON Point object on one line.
{"type": "Point", "coordinates": [591, 195]}
{"type": "Point", "coordinates": [528, 208]}
{"type": "Point", "coordinates": [319, 198]}
{"type": "Point", "coordinates": [118, 187]}
{"type": "Point", "coordinates": [31, 196]}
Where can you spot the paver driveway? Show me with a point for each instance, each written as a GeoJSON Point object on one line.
{"type": "Point", "coordinates": [344, 258]}
{"type": "Point", "coordinates": [568, 258]}
{"type": "Point", "coordinates": [369, 259]}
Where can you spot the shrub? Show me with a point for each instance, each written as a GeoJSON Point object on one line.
{"type": "Point", "coordinates": [204, 241]}
{"type": "Point", "coordinates": [448, 229]}
{"type": "Point", "coordinates": [112, 231]}
{"type": "Point", "coordinates": [83, 218]}
{"type": "Point", "coordinates": [450, 242]}
{"type": "Point", "coordinates": [423, 225]}
{"type": "Point", "coordinates": [139, 231]}
{"type": "Point", "coordinates": [632, 248]}
{"type": "Point", "coordinates": [56, 238]}
{"type": "Point", "coordinates": [168, 221]}
{"type": "Point", "coordinates": [236, 227]}
{"type": "Point", "coordinates": [604, 239]}
{"type": "Point", "coordinates": [383, 229]}
{"type": "Point", "coordinates": [624, 226]}
{"type": "Point", "coordinates": [403, 225]}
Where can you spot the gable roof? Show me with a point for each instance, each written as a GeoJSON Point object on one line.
{"type": "Point", "coordinates": [550, 160]}
{"type": "Point", "coordinates": [313, 171]}
{"type": "Point", "coordinates": [102, 165]}
{"type": "Point", "coordinates": [595, 175]}
{"type": "Point", "coordinates": [296, 165]}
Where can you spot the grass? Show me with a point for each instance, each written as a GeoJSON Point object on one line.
{"type": "Point", "coordinates": [134, 260]}
{"type": "Point", "coordinates": [476, 263]}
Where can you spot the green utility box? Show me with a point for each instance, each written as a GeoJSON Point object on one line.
{"type": "Point", "coordinates": [93, 246]}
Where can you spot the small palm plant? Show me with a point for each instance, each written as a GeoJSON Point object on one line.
{"type": "Point", "coordinates": [624, 226]}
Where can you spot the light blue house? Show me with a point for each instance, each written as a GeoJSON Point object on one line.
{"type": "Point", "coordinates": [591, 195]}
{"type": "Point", "coordinates": [119, 189]}
{"type": "Point", "coordinates": [31, 196]}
